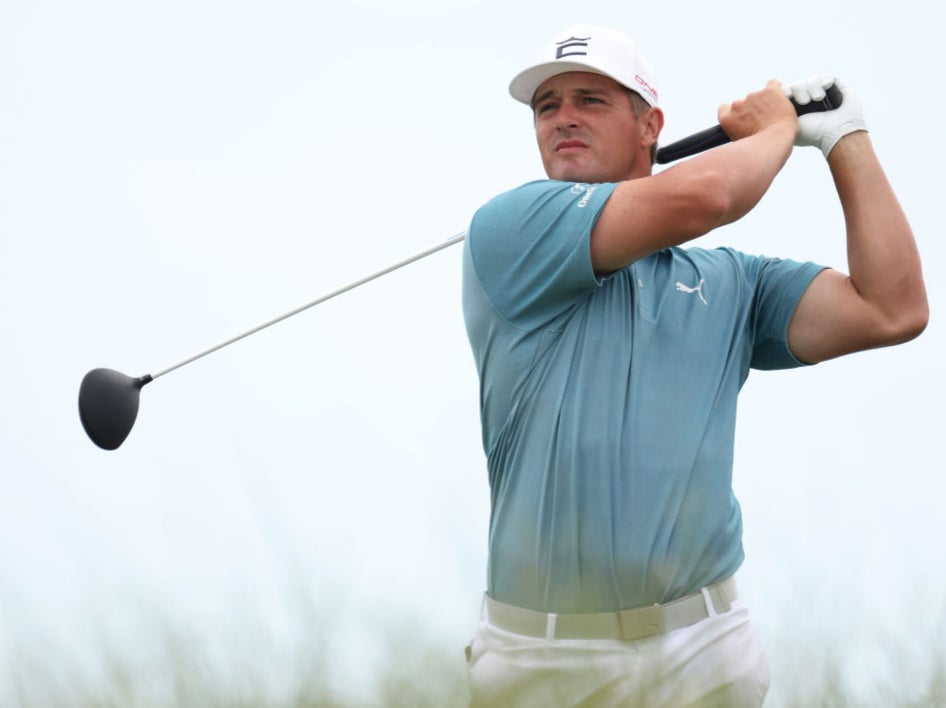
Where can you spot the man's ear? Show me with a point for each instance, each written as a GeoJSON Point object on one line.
{"type": "Point", "coordinates": [652, 123]}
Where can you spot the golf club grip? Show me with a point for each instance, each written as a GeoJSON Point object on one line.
{"type": "Point", "coordinates": [715, 136]}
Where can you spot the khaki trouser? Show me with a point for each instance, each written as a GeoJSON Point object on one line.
{"type": "Point", "coordinates": [717, 662]}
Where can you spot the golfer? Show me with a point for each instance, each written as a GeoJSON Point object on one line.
{"type": "Point", "coordinates": [610, 360]}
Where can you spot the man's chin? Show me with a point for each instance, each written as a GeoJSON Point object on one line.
{"type": "Point", "coordinates": [585, 176]}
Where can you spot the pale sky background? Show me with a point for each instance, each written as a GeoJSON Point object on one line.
{"type": "Point", "coordinates": [172, 173]}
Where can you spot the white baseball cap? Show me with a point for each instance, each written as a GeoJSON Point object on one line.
{"type": "Point", "coordinates": [589, 48]}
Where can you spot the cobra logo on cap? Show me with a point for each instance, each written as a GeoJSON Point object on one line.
{"type": "Point", "coordinates": [572, 43]}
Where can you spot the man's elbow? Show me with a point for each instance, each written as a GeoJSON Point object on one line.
{"type": "Point", "coordinates": [916, 322]}
{"type": "Point", "coordinates": [709, 203]}
{"type": "Point", "coordinates": [907, 323]}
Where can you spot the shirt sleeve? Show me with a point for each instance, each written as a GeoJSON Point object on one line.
{"type": "Point", "coordinates": [531, 251]}
{"type": "Point", "coordinates": [779, 285]}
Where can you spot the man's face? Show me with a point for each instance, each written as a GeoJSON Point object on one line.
{"type": "Point", "coordinates": [587, 131]}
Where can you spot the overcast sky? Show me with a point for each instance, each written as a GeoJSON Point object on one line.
{"type": "Point", "coordinates": [172, 173]}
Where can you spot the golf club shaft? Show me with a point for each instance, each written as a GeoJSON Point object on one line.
{"type": "Point", "coordinates": [327, 296]}
{"type": "Point", "coordinates": [691, 145]}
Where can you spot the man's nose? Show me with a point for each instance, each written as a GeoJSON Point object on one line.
{"type": "Point", "coordinates": [567, 117]}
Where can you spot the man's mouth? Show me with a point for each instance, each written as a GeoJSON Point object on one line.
{"type": "Point", "coordinates": [570, 145]}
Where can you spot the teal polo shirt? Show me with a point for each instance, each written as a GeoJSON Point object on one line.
{"type": "Point", "coordinates": [608, 405]}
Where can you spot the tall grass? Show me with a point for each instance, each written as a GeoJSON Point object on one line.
{"type": "Point", "coordinates": [148, 655]}
{"type": "Point", "coordinates": [149, 659]}
{"type": "Point", "coordinates": [182, 673]}
{"type": "Point", "coordinates": [171, 667]}
{"type": "Point", "coordinates": [903, 674]}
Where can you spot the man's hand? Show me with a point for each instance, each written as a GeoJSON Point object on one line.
{"type": "Point", "coordinates": [823, 130]}
{"type": "Point", "coordinates": [758, 111]}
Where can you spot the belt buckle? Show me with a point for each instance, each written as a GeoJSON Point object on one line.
{"type": "Point", "coordinates": [641, 622]}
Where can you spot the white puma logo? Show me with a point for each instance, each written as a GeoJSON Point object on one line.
{"type": "Point", "coordinates": [698, 290]}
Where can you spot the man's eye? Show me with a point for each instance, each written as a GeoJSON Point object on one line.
{"type": "Point", "coordinates": [592, 99]}
{"type": "Point", "coordinates": [545, 107]}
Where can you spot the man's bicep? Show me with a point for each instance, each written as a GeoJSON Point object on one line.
{"type": "Point", "coordinates": [645, 215]}
{"type": "Point", "coordinates": [831, 320]}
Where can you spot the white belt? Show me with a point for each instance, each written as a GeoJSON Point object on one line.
{"type": "Point", "coordinates": [636, 623]}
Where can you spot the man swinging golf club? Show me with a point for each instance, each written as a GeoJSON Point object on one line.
{"type": "Point", "coordinates": [610, 360]}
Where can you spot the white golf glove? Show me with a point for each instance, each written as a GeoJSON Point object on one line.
{"type": "Point", "coordinates": [824, 129]}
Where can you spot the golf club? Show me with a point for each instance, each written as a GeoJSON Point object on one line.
{"type": "Point", "coordinates": [109, 399]}
{"type": "Point", "coordinates": [714, 137]}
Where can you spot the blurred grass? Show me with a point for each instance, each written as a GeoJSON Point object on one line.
{"type": "Point", "coordinates": [183, 673]}
{"type": "Point", "coordinates": [161, 663]}
{"type": "Point", "coordinates": [910, 676]}
{"type": "Point", "coordinates": [171, 666]}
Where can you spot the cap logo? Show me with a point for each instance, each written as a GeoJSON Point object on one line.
{"type": "Point", "coordinates": [646, 86]}
{"type": "Point", "coordinates": [572, 43]}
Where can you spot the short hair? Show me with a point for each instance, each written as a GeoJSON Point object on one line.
{"type": "Point", "coordinates": [639, 106]}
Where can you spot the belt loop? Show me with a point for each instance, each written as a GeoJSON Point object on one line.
{"type": "Point", "coordinates": [550, 626]}
{"type": "Point", "coordinates": [726, 592]}
{"type": "Point", "coordinates": [708, 601]}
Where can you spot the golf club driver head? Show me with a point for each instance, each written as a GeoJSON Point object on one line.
{"type": "Point", "coordinates": [108, 405]}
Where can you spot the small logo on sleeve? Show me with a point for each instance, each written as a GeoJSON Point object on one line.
{"type": "Point", "coordinates": [586, 190]}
